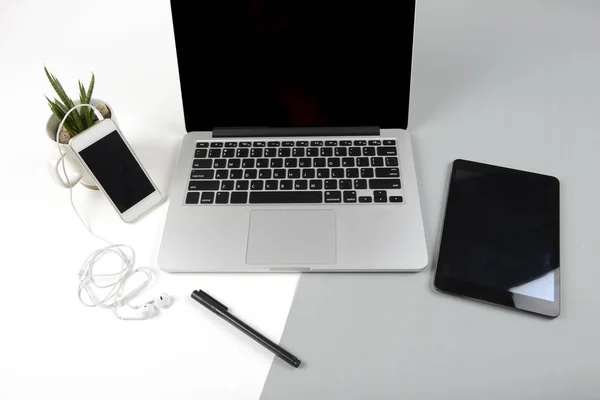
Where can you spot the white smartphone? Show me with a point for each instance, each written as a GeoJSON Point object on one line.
{"type": "Point", "coordinates": [108, 158]}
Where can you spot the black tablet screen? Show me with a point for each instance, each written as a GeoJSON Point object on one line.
{"type": "Point", "coordinates": [500, 239]}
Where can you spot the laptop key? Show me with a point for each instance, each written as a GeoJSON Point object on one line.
{"type": "Point", "coordinates": [236, 174]}
{"type": "Point", "coordinates": [207, 197]}
{"type": "Point", "coordinates": [333, 162]}
{"type": "Point", "coordinates": [345, 143]}
{"type": "Point", "coordinates": [242, 185]}
{"type": "Point", "coordinates": [349, 196]}
{"type": "Point", "coordinates": [262, 163]}
{"type": "Point", "coordinates": [377, 161]}
{"type": "Point", "coordinates": [389, 142]}
{"type": "Point", "coordinates": [340, 152]}
{"type": "Point", "coordinates": [276, 162]}
{"type": "Point", "coordinates": [239, 197]}
{"type": "Point", "coordinates": [227, 185]}
{"type": "Point", "coordinates": [201, 144]}
{"type": "Point", "coordinates": [302, 143]}
{"type": "Point", "coordinates": [264, 174]}
{"type": "Point", "coordinates": [333, 197]}
{"type": "Point", "coordinates": [316, 184]}
{"type": "Point", "coordinates": [202, 164]}
{"type": "Point", "coordinates": [360, 184]}
{"type": "Point", "coordinates": [337, 172]}
{"type": "Point", "coordinates": [222, 174]}
{"type": "Point", "coordinates": [245, 144]}
{"type": "Point", "coordinates": [257, 185]}
{"type": "Point", "coordinates": [242, 153]}
{"type": "Point", "coordinates": [270, 152]}
{"type": "Point", "coordinates": [202, 174]}
{"type": "Point", "coordinates": [312, 152]}
{"type": "Point", "coordinates": [287, 143]}
{"type": "Point", "coordinates": [391, 161]}
{"type": "Point", "coordinates": [374, 142]}
{"type": "Point", "coordinates": [319, 162]}
{"type": "Point", "coordinates": [200, 153]}
{"type": "Point", "coordinates": [279, 173]}
{"type": "Point", "coordinates": [365, 199]}
{"type": "Point", "coordinates": [293, 173]}
{"type": "Point", "coordinates": [291, 162]}
{"type": "Point", "coordinates": [352, 173]}
{"type": "Point", "coordinates": [220, 163]}
{"type": "Point", "coordinates": [214, 153]}
{"type": "Point", "coordinates": [323, 173]}
{"type": "Point", "coordinates": [326, 152]}
{"type": "Point", "coordinates": [284, 152]}
{"type": "Point", "coordinates": [203, 185]}
{"type": "Point", "coordinates": [380, 196]}
{"type": "Point", "coordinates": [286, 185]}
{"type": "Point", "coordinates": [387, 172]}
{"type": "Point", "coordinates": [248, 163]}
{"type": "Point", "coordinates": [396, 199]}
{"type": "Point", "coordinates": [273, 144]}
{"type": "Point", "coordinates": [222, 198]}
{"type": "Point", "coordinates": [387, 151]}
{"type": "Point", "coordinates": [229, 153]}
{"type": "Point", "coordinates": [216, 144]}
{"type": "Point", "coordinates": [259, 144]}
{"type": "Point", "coordinates": [304, 162]}
{"type": "Point", "coordinates": [330, 184]}
{"type": "Point", "coordinates": [347, 162]}
{"type": "Point", "coordinates": [308, 173]}
{"type": "Point", "coordinates": [331, 143]}
{"type": "Point", "coordinates": [231, 144]}
{"type": "Point", "coordinates": [345, 184]}
{"type": "Point", "coordinates": [362, 162]}
{"type": "Point", "coordinates": [301, 185]}
{"type": "Point", "coordinates": [298, 152]}
{"type": "Point", "coordinates": [368, 151]}
{"type": "Point", "coordinates": [256, 153]}
{"type": "Point", "coordinates": [286, 197]}
{"type": "Point", "coordinates": [366, 172]}
{"type": "Point", "coordinates": [271, 185]}
{"type": "Point", "coordinates": [250, 174]}
{"type": "Point", "coordinates": [316, 143]}
{"type": "Point", "coordinates": [192, 197]}
{"type": "Point", "coordinates": [360, 142]}
{"type": "Point", "coordinates": [384, 184]}
{"type": "Point", "coordinates": [354, 152]}
{"type": "Point", "coordinates": [235, 163]}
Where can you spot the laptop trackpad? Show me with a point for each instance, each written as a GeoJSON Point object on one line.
{"type": "Point", "coordinates": [291, 237]}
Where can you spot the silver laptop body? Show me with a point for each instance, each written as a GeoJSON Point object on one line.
{"type": "Point", "coordinates": [297, 176]}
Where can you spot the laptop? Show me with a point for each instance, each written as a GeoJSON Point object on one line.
{"type": "Point", "coordinates": [297, 157]}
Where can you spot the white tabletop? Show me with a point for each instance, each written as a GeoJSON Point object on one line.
{"type": "Point", "coordinates": [510, 82]}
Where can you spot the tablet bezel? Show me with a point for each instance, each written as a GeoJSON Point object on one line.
{"type": "Point", "coordinates": [488, 294]}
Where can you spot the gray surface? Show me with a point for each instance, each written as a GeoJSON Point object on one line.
{"type": "Point", "coordinates": [511, 83]}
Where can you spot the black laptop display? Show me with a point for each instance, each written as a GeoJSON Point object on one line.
{"type": "Point", "coordinates": [261, 63]}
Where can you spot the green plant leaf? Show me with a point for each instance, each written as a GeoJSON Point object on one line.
{"type": "Point", "coordinates": [91, 88]}
{"type": "Point", "coordinates": [66, 100]}
{"type": "Point", "coordinates": [71, 118]}
{"type": "Point", "coordinates": [85, 112]}
{"type": "Point", "coordinates": [60, 114]}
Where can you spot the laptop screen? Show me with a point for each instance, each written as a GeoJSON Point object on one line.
{"type": "Point", "coordinates": [276, 63]}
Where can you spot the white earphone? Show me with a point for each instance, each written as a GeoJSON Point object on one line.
{"type": "Point", "coordinates": [113, 283]}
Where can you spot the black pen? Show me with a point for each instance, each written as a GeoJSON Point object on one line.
{"type": "Point", "coordinates": [222, 311]}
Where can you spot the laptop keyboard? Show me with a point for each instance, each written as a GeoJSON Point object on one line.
{"type": "Point", "coordinates": [358, 171]}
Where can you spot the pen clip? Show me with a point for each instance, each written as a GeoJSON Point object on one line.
{"type": "Point", "coordinates": [202, 296]}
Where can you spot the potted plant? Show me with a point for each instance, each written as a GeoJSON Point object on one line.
{"type": "Point", "coordinates": [78, 120]}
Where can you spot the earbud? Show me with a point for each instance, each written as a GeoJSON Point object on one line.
{"type": "Point", "coordinates": [147, 311]}
{"type": "Point", "coordinates": [161, 300]}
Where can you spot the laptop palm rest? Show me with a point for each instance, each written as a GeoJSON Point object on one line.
{"type": "Point", "coordinates": [291, 237]}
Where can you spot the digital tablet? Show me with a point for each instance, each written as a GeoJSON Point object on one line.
{"type": "Point", "coordinates": [500, 239]}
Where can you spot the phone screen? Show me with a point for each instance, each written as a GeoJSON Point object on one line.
{"type": "Point", "coordinates": [117, 171]}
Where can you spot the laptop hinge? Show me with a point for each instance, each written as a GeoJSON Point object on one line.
{"type": "Point", "coordinates": [300, 131]}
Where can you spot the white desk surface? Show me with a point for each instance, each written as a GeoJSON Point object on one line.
{"type": "Point", "coordinates": [510, 82]}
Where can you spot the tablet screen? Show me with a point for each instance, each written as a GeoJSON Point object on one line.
{"type": "Point", "coordinates": [500, 239]}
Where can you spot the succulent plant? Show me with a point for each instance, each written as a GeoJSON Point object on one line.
{"type": "Point", "coordinates": [78, 120]}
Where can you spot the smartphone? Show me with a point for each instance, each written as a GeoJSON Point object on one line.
{"type": "Point", "coordinates": [108, 158]}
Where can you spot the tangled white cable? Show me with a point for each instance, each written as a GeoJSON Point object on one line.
{"type": "Point", "coordinates": [90, 282]}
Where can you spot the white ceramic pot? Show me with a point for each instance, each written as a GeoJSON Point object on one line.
{"type": "Point", "coordinates": [76, 171]}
